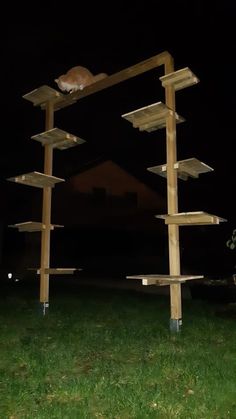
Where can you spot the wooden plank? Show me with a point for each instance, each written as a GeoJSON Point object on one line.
{"type": "Point", "coordinates": [179, 79]}
{"type": "Point", "coordinates": [147, 113]}
{"type": "Point", "coordinates": [123, 75]}
{"type": "Point", "coordinates": [191, 218]}
{"type": "Point", "coordinates": [164, 280]}
{"type": "Point", "coordinates": [36, 179]}
{"type": "Point", "coordinates": [191, 167]}
{"type": "Point", "coordinates": [58, 138]}
{"type": "Point", "coordinates": [56, 271]}
{"type": "Point", "coordinates": [151, 117]}
{"type": "Point", "coordinates": [161, 283]}
{"type": "Point", "coordinates": [164, 277]}
{"type": "Point", "coordinates": [46, 209]}
{"type": "Point", "coordinates": [28, 226]}
{"type": "Point", "coordinates": [172, 198]}
{"type": "Point", "coordinates": [60, 271]}
{"type": "Point", "coordinates": [156, 282]}
{"type": "Point", "coordinates": [159, 124]}
{"type": "Point", "coordinates": [158, 170]}
{"type": "Point", "coordinates": [31, 226]}
{"type": "Point", "coordinates": [42, 94]}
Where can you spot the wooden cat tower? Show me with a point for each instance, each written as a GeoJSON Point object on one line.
{"type": "Point", "coordinates": [149, 118]}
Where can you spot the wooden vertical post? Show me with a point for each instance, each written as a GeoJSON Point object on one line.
{"type": "Point", "coordinates": [46, 214]}
{"type": "Point", "coordinates": [172, 201]}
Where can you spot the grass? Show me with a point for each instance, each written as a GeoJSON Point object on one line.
{"type": "Point", "coordinates": [109, 354]}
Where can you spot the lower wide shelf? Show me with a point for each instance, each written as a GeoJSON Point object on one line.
{"type": "Point", "coordinates": [162, 280]}
{"type": "Point", "coordinates": [56, 271]}
{"type": "Point", "coordinates": [191, 218]}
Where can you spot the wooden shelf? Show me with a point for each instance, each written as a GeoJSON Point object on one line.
{"type": "Point", "coordinates": [43, 94]}
{"type": "Point", "coordinates": [179, 79]}
{"type": "Point", "coordinates": [191, 218]}
{"type": "Point", "coordinates": [56, 271]}
{"type": "Point", "coordinates": [152, 117]}
{"type": "Point", "coordinates": [185, 168]}
{"type": "Point", "coordinates": [163, 280]}
{"type": "Point", "coordinates": [39, 180]}
{"type": "Point", "coordinates": [58, 139]}
{"type": "Point", "coordinates": [32, 226]}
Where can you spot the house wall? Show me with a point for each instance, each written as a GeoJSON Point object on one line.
{"type": "Point", "coordinates": [117, 182]}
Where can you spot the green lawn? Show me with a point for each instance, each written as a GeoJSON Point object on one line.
{"type": "Point", "coordinates": [109, 354]}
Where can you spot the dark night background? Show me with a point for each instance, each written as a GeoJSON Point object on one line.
{"type": "Point", "coordinates": [42, 41]}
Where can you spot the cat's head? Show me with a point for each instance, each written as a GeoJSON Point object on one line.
{"type": "Point", "coordinates": [65, 86]}
{"type": "Point", "coordinates": [62, 84]}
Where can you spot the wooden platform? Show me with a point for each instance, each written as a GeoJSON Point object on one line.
{"type": "Point", "coordinates": [43, 94]}
{"type": "Point", "coordinates": [163, 280]}
{"type": "Point", "coordinates": [191, 218]}
{"type": "Point", "coordinates": [179, 79]}
{"type": "Point", "coordinates": [56, 271]}
{"type": "Point", "coordinates": [37, 179]}
{"type": "Point", "coordinates": [185, 168]}
{"type": "Point", "coordinates": [32, 226]}
{"type": "Point", "coordinates": [151, 117]}
{"type": "Point", "coordinates": [58, 138]}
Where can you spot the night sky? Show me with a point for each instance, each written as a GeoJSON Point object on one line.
{"type": "Point", "coordinates": [44, 40]}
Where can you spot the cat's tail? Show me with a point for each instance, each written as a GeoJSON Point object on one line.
{"type": "Point", "coordinates": [100, 76]}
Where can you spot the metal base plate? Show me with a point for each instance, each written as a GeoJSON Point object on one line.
{"type": "Point", "coordinates": [44, 308]}
{"type": "Point", "coordinates": [175, 325]}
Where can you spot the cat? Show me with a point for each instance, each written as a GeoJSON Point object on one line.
{"type": "Point", "coordinates": [77, 78]}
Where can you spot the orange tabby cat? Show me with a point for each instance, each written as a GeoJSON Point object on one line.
{"type": "Point", "coordinates": [77, 78]}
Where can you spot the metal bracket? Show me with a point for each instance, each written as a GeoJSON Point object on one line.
{"type": "Point", "coordinates": [44, 308]}
{"type": "Point", "coordinates": [175, 325]}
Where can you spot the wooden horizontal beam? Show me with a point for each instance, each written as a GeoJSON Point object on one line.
{"type": "Point", "coordinates": [127, 73]}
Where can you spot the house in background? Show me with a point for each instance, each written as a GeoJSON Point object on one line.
{"type": "Point", "coordinates": [109, 224]}
{"type": "Point", "coordinates": [103, 193]}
